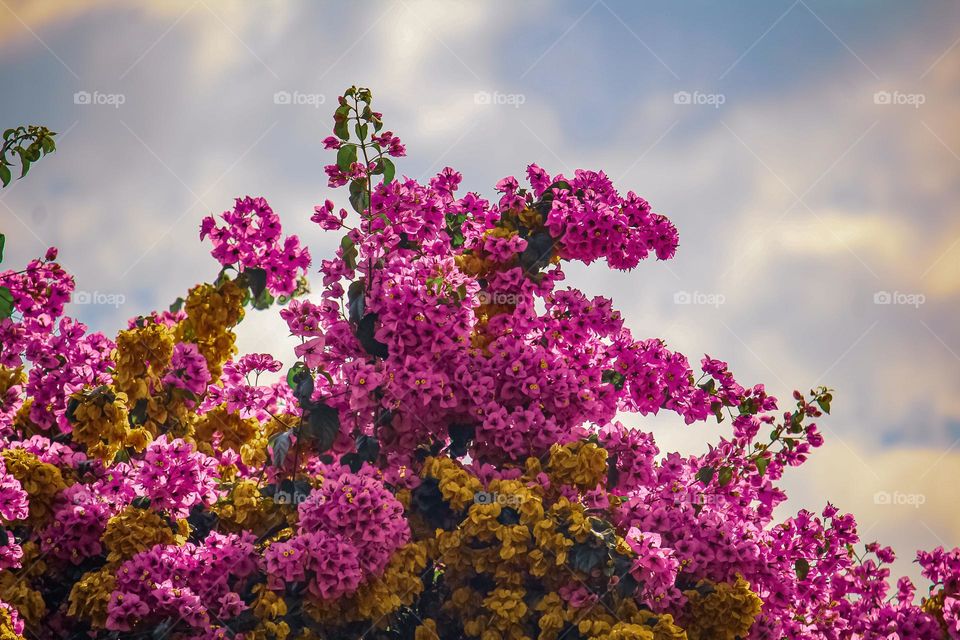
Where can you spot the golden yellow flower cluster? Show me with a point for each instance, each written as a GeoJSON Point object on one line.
{"type": "Point", "coordinates": [726, 612]}
{"type": "Point", "coordinates": [245, 508]}
{"type": "Point", "coordinates": [515, 537]}
{"type": "Point", "coordinates": [509, 548]}
{"type": "Point", "coordinates": [212, 311]}
{"type": "Point", "coordinates": [11, 378]}
{"type": "Point", "coordinates": [269, 607]}
{"type": "Point", "coordinates": [134, 530]}
{"type": "Point", "coordinates": [91, 595]}
{"type": "Point", "coordinates": [141, 358]}
{"type": "Point", "coordinates": [6, 627]}
{"type": "Point", "coordinates": [17, 593]}
{"type": "Point", "coordinates": [101, 423]}
{"type": "Point", "coordinates": [399, 586]}
{"type": "Point", "coordinates": [578, 464]}
{"type": "Point", "coordinates": [41, 481]}
{"type": "Point", "coordinates": [236, 433]}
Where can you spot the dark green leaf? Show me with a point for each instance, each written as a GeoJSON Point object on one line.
{"type": "Point", "coordinates": [365, 334]}
{"type": "Point", "coordinates": [538, 253]}
{"type": "Point", "coordinates": [3, 241]}
{"type": "Point", "coordinates": [256, 280]}
{"type": "Point", "coordinates": [4, 173]}
{"type": "Point", "coordinates": [356, 302]}
{"type": "Point", "coordinates": [802, 568]}
{"type": "Point", "coordinates": [725, 476]}
{"type": "Point", "coordinates": [461, 435]}
{"type": "Point", "coordinates": [304, 389]}
{"type": "Point", "coordinates": [6, 303]}
{"type": "Point", "coordinates": [177, 305]}
{"type": "Point", "coordinates": [322, 426]}
{"type": "Point", "coordinates": [368, 448]}
{"type": "Point", "coordinates": [585, 557]}
{"type": "Point", "coordinates": [705, 475]}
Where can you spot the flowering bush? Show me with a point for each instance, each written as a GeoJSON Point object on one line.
{"type": "Point", "coordinates": [443, 461]}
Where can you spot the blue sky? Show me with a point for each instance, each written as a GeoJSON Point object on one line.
{"type": "Point", "coordinates": [807, 151]}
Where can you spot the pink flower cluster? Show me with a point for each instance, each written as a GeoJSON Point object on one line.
{"type": "Point", "coordinates": [176, 477]}
{"type": "Point", "coordinates": [442, 328]}
{"type": "Point", "coordinates": [251, 238]}
{"type": "Point", "coordinates": [196, 583]}
{"type": "Point", "coordinates": [188, 369]}
{"type": "Point", "coordinates": [349, 529]}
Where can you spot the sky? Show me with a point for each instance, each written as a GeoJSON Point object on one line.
{"type": "Point", "coordinates": [808, 152]}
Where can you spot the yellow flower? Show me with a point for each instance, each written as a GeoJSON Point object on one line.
{"type": "Point", "coordinates": [91, 595]}
{"type": "Point", "coordinates": [41, 481]}
{"type": "Point", "coordinates": [721, 611]}
{"type": "Point", "coordinates": [6, 627]}
{"type": "Point", "coordinates": [579, 464]}
{"type": "Point", "coordinates": [134, 530]}
{"type": "Point", "coordinates": [17, 593]}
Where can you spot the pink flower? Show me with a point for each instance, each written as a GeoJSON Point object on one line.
{"type": "Point", "coordinates": [311, 351]}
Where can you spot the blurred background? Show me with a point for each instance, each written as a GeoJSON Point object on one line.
{"type": "Point", "coordinates": [808, 152]}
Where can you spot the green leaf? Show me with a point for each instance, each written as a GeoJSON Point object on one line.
{"type": "Point", "coordinates": [294, 373]}
{"type": "Point", "coordinates": [356, 302]}
{"type": "Point", "coordinates": [762, 464]}
{"type": "Point", "coordinates": [4, 173]}
{"type": "Point", "coordinates": [322, 426]}
{"type": "Point", "coordinates": [359, 198]}
{"type": "Point", "coordinates": [613, 377]}
{"type": "Point", "coordinates": [256, 280]}
{"type": "Point", "coordinates": [725, 476]}
{"type": "Point", "coordinates": [3, 240]}
{"type": "Point", "coordinates": [24, 161]}
{"type": "Point", "coordinates": [824, 402]}
{"type": "Point", "coordinates": [6, 303]}
{"type": "Point", "coordinates": [705, 475]}
{"type": "Point", "coordinates": [349, 251]}
{"type": "Point", "coordinates": [389, 170]}
{"type": "Point", "coordinates": [346, 156]}
{"type": "Point", "coordinates": [361, 130]}
{"type": "Point", "coordinates": [802, 568]}
{"type": "Point", "coordinates": [365, 334]}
